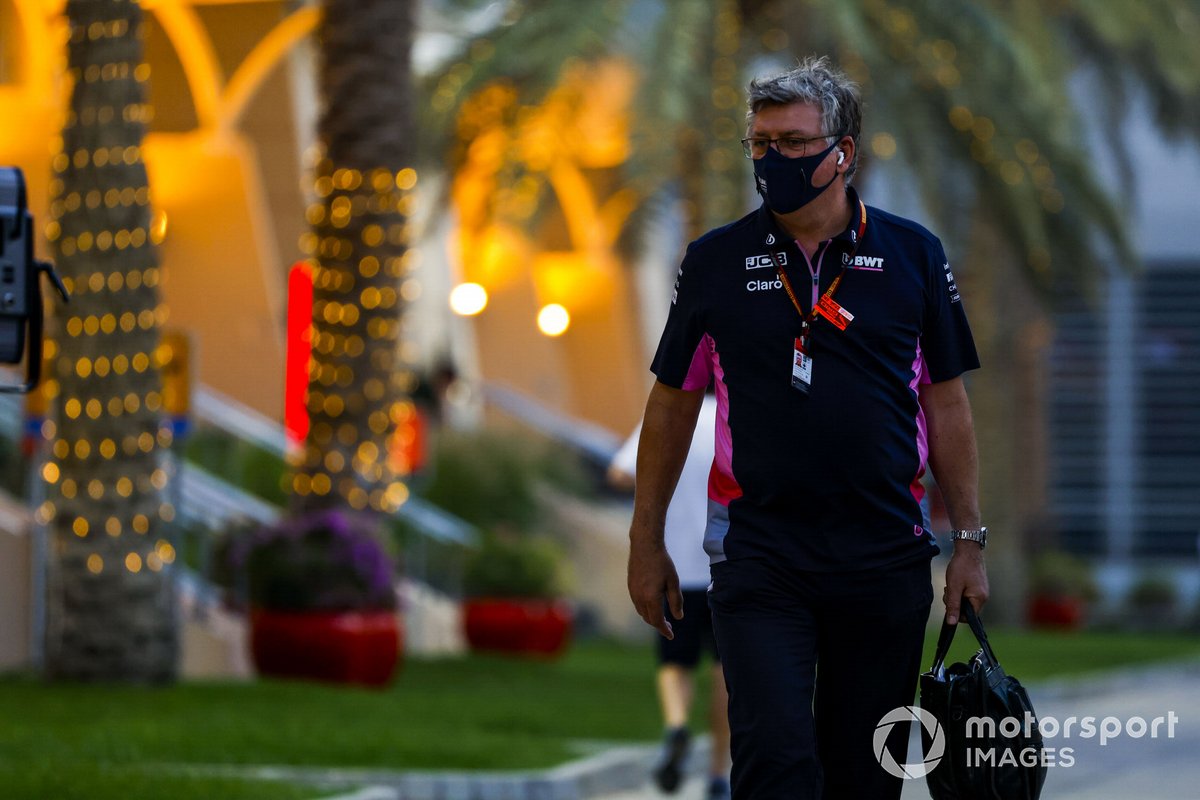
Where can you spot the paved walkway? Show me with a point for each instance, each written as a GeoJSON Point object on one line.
{"type": "Point", "coordinates": [1123, 768]}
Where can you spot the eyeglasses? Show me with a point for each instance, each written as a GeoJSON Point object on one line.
{"type": "Point", "coordinates": [790, 146]}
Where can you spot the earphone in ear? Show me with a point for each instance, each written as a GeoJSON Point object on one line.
{"type": "Point", "coordinates": [841, 156]}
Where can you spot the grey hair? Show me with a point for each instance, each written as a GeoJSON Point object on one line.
{"type": "Point", "coordinates": [814, 81]}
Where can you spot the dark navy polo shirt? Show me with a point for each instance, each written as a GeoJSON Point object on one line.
{"type": "Point", "coordinates": [831, 480]}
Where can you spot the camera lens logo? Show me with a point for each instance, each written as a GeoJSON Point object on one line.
{"type": "Point", "coordinates": [936, 749]}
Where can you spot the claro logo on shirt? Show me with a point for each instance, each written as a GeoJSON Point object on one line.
{"type": "Point", "coordinates": [758, 262]}
{"type": "Point", "coordinates": [675, 291]}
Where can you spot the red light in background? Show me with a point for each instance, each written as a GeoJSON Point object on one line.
{"type": "Point", "coordinates": [299, 350]}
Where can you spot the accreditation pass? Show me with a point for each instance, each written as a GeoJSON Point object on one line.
{"type": "Point", "coordinates": [801, 367]}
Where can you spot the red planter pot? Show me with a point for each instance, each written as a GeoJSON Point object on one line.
{"type": "Point", "coordinates": [523, 626]}
{"type": "Point", "coordinates": [1053, 611]}
{"type": "Point", "coordinates": [339, 647]}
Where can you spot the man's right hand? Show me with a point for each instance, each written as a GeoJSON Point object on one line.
{"type": "Point", "coordinates": [652, 577]}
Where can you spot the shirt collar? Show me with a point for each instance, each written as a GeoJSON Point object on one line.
{"type": "Point", "coordinates": [770, 234]}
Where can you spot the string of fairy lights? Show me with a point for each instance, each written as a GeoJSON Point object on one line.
{"type": "Point", "coordinates": [105, 473]}
{"type": "Point", "coordinates": [363, 275]}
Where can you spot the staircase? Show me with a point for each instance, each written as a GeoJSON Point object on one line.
{"type": "Point", "coordinates": [214, 637]}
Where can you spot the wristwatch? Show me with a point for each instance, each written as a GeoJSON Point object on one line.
{"type": "Point", "coordinates": [978, 535]}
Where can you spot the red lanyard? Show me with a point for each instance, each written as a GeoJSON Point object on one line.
{"type": "Point", "coordinates": [833, 287]}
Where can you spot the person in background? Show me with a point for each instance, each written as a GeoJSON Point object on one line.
{"type": "Point", "coordinates": [678, 658]}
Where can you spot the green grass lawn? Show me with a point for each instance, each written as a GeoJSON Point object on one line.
{"type": "Point", "coordinates": [475, 712]}
{"type": "Point", "coordinates": [99, 742]}
{"type": "Point", "coordinates": [1040, 655]}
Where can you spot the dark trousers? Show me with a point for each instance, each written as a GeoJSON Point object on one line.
{"type": "Point", "coordinates": [813, 661]}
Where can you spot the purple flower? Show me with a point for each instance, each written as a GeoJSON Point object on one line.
{"type": "Point", "coordinates": [329, 560]}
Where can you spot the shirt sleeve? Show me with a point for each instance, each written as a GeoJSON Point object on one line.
{"type": "Point", "coordinates": [684, 328]}
{"type": "Point", "coordinates": [946, 341]}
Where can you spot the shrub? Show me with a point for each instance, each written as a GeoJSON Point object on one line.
{"type": "Point", "coordinates": [1058, 574]}
{"type": "Point", "coordinates": [505, 565]}
{"type": "Point", "coordinates": [323, 561]}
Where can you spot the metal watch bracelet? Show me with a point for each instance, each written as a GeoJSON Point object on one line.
{"type": "Point", "coordinates": [977, 535]}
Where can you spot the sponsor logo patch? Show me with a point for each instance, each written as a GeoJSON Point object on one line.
{"type": "Point", "coordinates": [951, 286]}
{"type": "Point", "coordinates": [870, 263]}
{"type": "Point", "coordinates": [759, 262]}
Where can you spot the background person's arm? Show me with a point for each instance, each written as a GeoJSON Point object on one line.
{"type": "Point", "coordinates": [955, 463]}
{"type": "Point", "coordinates": [667, 428]}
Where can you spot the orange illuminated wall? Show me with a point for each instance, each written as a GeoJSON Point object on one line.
{"type": "Point", "coordinates": [540, 213]}
{"type": "Point", "coordinates": [224, 159]}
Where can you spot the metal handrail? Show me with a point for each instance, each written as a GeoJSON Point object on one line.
{"type": "Point", "coordinates": [231, 416]}
{"type": "Point", "coordinates": [594, 441]}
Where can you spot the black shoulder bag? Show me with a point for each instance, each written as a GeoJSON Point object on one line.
{"type": "Point", "coordinates": [993, 748]}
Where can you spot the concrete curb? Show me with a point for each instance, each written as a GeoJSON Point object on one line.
{"type": "Point", "coordinates": [616, 769]}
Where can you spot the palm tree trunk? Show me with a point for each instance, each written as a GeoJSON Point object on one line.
{"type": "Point", "coordinates": [110, 605]}
{"type": "Point", "coordinates": [358, 248]}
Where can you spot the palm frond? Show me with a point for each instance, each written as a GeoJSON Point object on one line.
{"type": "Point", "coordinates": [981, 121]}
{"type": "Point", "coordinates": [981, 100]}
{"type": "Point", "coordinates": [528, 52]}
{"type": "Point", "coordinates": [1154, 42]}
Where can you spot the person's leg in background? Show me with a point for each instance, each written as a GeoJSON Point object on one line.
{"type": "Point", "coordinates": [675, 698]}
{"type": "Point", "coordinates": [718, 726]}
{"type": "Point", "coordinates": [675, 691]}
{"type": "Point", "coordinates": [677, 660]}
{"type": "Point", "coordinates": [872, 630]}
{"type": "Point", "coordinates": [718, 704]}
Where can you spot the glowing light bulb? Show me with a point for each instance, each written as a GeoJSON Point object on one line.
{"type": "Point", "coordinates": [158, 226]}
{"type": "Point", "coordinates": [553, 320]}
{"type": "Point", "coordinates": [468, 299]}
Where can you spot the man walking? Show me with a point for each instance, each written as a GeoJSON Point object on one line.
{"type": "Point", "coordinates": [837, 338]}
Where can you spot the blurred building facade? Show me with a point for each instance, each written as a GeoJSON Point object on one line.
{"type": "Point", "coordinates": [1123, 380]}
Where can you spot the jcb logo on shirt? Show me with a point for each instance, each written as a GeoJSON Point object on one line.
{"type": "Point", "coordinates": [758, 262]}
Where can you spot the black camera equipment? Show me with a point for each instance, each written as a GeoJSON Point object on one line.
{"type": "Point", "coordinates": [20, 288]}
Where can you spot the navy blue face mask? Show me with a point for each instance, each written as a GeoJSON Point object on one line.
{"type": "Point", "coordinates": [786, 183]}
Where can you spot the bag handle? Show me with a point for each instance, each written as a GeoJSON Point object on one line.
{"type": "Point", "coordinates": [946, 638]}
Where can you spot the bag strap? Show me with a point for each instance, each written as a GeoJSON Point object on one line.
{"type": "Point", "coordinates": [946, 638]}
{"type": "Point", "coordinates": [980, 635]}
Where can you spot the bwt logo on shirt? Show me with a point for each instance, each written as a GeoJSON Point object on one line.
{"type": "Point", "coordinates": [758, 262]}
{"type": "Point", "coordinates": [874, 263]}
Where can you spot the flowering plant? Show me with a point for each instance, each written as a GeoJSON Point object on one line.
{"type": "Point", "coordinates": [324, 561]}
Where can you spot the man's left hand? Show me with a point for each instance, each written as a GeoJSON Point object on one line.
{"type": "Point", "coordinates": [966, 577]}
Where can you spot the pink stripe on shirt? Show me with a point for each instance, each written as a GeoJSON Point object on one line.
{"type": "Point", "coordinates": [706, 364]}
{"type": "Point", "coordinates": [920, 377]}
